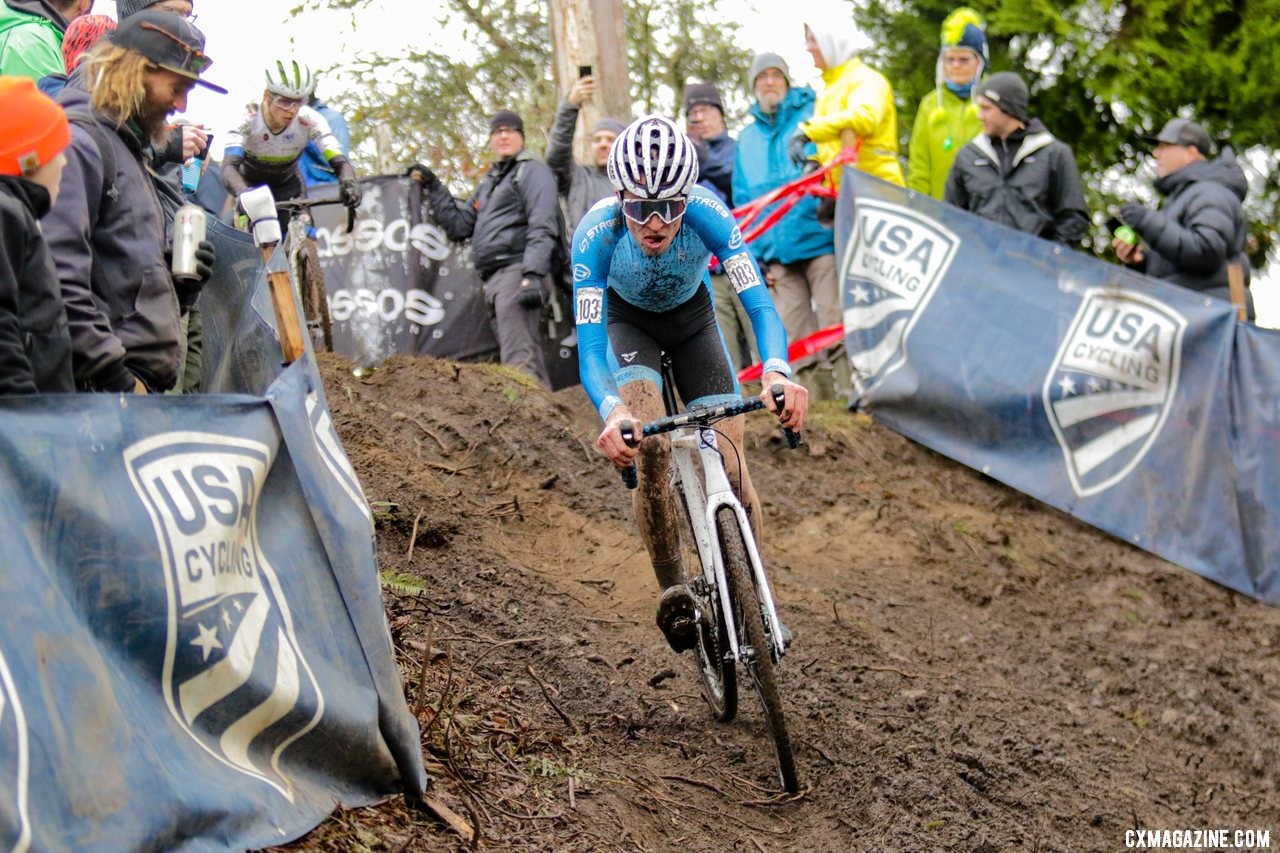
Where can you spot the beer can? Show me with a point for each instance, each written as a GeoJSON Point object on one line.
{"type": "Point", "coordinates": [188, 231]}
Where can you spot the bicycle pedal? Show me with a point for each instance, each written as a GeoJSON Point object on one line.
{"type": "Point", "coordinates": [678, 618]}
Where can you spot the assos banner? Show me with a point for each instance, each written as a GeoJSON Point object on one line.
{"type": "Point", "coordinates": [398, 285]}
{"type": "Point", "coordinates": [194, 654]}
{"type": "Point", "coordinates": [1140, 407]}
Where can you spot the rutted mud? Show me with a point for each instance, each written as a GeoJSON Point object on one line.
{"type": "Point", "coordinates": [971, 671]}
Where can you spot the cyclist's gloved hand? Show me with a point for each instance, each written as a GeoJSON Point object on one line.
{"type": "Point", "coordinates": [530, 293]}
{"type": "Point", "coordinates": [422, 175]}
{"type": "Point", "coordinates": [795, 148]}
{"type": "Point", "coordinates": [349, 192]}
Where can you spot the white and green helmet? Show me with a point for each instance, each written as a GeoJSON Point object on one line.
{"type": "Point", "coordinates": [289, 78]}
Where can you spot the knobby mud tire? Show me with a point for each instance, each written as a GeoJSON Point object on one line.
{"type": "Point", "coordinates": [315, 299]}
{"type": "Point", "coordinates": [715, 668]}
{"type": "Point", "coordinates": [751, 631]}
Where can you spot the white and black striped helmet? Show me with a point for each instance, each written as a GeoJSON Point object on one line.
{"type": "Point", "coordinates": [653, 159]}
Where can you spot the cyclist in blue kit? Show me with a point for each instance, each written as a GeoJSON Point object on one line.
{"type": "Point", "coordinates": [641, 289]}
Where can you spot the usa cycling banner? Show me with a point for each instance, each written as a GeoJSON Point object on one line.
{"type": "Point", "coordinates": [398, 285]}
{"type": "Point", "coordinates": [194, 653]}
{"type": "Point", "coordinates": [1140, 407]}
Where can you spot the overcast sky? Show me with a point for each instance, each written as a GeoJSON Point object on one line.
{"type": "Point", "coordinates": [243, 36]}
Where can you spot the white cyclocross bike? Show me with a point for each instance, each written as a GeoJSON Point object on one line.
{"type": "Point", "coordinates": [736, 617]}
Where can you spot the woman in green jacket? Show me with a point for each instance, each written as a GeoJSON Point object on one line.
{"type": "Point", "coordinates": [948, 117]}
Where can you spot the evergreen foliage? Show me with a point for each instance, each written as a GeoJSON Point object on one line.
{"type": "Point", "coordinates": [1102, 73]}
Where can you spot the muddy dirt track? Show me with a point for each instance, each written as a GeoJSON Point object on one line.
{"type": "Point", "coordinates": [972, 670]}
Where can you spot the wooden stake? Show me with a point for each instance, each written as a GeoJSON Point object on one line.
{"type": "Point", "coordinates": [285, 304]}
{"type": "Point", "coordinates": [1235, 283]}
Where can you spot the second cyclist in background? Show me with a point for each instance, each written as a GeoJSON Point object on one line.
{"type": "Point", "coordinates": [266, 147]}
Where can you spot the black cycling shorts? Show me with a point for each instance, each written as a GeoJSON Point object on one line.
{"type": "Point", "coordinates": [688, 333]}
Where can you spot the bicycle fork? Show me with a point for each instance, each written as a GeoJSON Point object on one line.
{"type": "Point", "coordinates": [719, 493]}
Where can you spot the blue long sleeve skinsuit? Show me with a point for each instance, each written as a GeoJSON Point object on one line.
{"type": "Point", "coordinates": [607, 258]}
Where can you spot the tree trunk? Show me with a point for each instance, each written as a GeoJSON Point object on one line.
{"type": "Point", "coordinates": [591, 32]}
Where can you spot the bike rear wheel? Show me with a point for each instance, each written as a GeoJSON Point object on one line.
{"type": "Point", "coordinates": [749, 615]}
{"type": "Point", "coordinates": [715, 664]}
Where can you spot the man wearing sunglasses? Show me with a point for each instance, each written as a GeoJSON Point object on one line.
{"type": "Point", "coordinates": [267, 147]}
{"type": "Point", "coordinates": [106, 232]}
{"type": "Point", "coordinates": [641, 289]}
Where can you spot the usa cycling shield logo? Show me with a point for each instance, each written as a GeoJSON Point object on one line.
{"type": "Point", "coordinates": [891, 269]}
{"type": "Point", "coordinates": [334, 457]}
{"type": "Point", "coordinates": [234, 676]}
{"type": "Point", "coordinates": [1112, 384]}
{"type": "Point", "coordinates": [15, 825]}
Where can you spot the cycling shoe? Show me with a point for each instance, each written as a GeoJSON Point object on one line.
{"type": "Point", "coordinates": [677, 617]}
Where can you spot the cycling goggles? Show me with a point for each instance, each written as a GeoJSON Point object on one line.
{"type": "Point", "coordinates": [638, 210]}
{"type": "Point", "coordinates": [285, 103]}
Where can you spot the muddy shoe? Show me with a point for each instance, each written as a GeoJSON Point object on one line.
{"type": "Point", "coordinates": [677, 618]}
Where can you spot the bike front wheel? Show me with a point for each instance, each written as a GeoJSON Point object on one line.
{"type": "Point", "coordinates": [715, 663]}
{"type": "Point", "coordinates": [315, 299]}
{"type": "Point", "coordinates": [748, 614]}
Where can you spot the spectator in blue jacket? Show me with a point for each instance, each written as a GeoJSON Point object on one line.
{"type": "Point", "coordinates": [704, 122]}
{"type": "Point", "coordinates": [315, 168]}
{"type": "Point", "coordinates": [797, 254]}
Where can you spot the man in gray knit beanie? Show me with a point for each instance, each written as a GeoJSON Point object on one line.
{"type": "Point", "coordinates": [125, 8]}
{"type": "Point", "coordinates": [1016, 172]}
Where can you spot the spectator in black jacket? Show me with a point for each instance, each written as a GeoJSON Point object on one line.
{"type": "Point", "coordinates": [1015, 172]}
{"type": "Point", "coordinates": [35, 346]}
{"type": "Point", "coordinates": [107, 230]}
{"type": "Point", "coordinates": [514, 223]}
{"type": "Point", "coordinates": [581, 185]}
{"type": "Point", "coordinates": [1201, 229]}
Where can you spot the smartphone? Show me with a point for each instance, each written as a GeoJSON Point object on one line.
{"type": "Point", "coordinates": [584, 70]}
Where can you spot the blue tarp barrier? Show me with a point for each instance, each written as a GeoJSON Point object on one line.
{"type": "Point", "coordinates": [398, 285]}
{"type": "Point", "coordinates": [194, 654]}
{"type": "Point", "coordinates": [1140, 407]}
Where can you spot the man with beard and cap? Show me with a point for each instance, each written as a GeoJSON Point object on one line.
{"type": "Point", "coordinates": [107, 230]}
{"type": "Point", "coordinates": [581, 185]}
{"type": "Point", "coordinates": [1200, 229]}
{"type": "Point", "coordinates": [796, 253]}
{"type": "Point", "coordinates": [1015, 172]}
{"type": "Point", "coordinates": [948, 116]}
{"type": "Point", "coordinates": [31, 34]}
{"type": "Point", "coordinates": [855, 108]}
{"type": "Point", "coordinates": [514, 224]}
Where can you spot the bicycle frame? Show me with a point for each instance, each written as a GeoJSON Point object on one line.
{"type": "Point", "coordinates": [697, 447]}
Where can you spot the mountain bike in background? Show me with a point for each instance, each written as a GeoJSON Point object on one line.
{"type": "Point", "coordinates": [737, 620]}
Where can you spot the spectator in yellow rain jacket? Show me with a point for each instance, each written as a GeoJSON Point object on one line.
{"type": "Point", "coordinates": [948, 116]}
{"type": "Point", "coordinates": [855, 105]}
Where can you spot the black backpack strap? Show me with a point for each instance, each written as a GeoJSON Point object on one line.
{"type": "Point", "coordinates": [106, 151]}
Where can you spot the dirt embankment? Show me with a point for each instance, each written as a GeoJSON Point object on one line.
{"type": "Point", "coordinates": [972, 670]}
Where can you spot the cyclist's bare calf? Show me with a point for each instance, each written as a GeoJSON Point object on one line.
{"type": "Point", "coordinates": [654, 505]}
